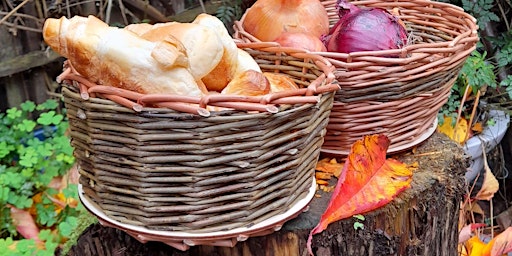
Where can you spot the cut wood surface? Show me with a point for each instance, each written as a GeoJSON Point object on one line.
{"type": "Point", "coordinates": [421, 221]}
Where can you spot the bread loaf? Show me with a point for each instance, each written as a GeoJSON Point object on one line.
{"type": "Point", "coordinates": [204, 48]}
{"type": "Point", "coordinates": [225, 70]}
{"type": "Point", "coordinates": [117, 57]}
{"type": "Point", "coordinates": [248, 83]}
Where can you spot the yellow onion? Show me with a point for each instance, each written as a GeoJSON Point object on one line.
{"type": "Point", "coordinates": [267, 19]}
{"type": "Point", "coordinates": [302, 41]}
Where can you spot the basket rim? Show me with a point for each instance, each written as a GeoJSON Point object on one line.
{"type": "Point", "coordinates": [405, 54]}
{"type": "Point", "coordinates": [325, 83]}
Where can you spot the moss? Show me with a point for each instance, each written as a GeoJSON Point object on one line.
{"type": "Point", "coordinates": [85, 219]}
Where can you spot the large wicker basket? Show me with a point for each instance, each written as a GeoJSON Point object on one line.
{"type": "Point", "coordinates": [400, 96]}
{"type": "Point", "coordinates": [196, 170]}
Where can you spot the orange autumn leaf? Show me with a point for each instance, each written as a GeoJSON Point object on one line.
{"type": "Point", "coordinates": [329, 166]}
{"type": "Point", "coordinates": [498, 246]}
{"type": "Point", "coordinates": [368, 181]}
{"type": "Point", "coordinates": [477, 127]}
{"type": "Point", "coordinates": [475, 246]}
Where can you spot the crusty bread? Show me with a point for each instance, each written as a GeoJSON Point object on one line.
{"type": "Point", "coordinates": [280, 82]}
{"type": "Point", "coordinates": [248, 83]}
{"type": "Point", "coordinates": [224, 72]}
{"type": "Point", "coordinates": [117, 57]}
{"type": "Point", "coordinates": [204, 48]}
{"type": "Point", "coordinates": [246, 62]}
{"type": "Point", "coordinates": [139, 28]}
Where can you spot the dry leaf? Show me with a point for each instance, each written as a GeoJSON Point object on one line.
{"type": "Point", "coordinates": [475, 246]}
{"type": "Point", "coordinates": [490, 185]}
{"type": "Point", "coordinates": [502, 243]}
{"type": "Point", "coordinates": [457, 133]}
{"type": "Point", "coordinates": [25, 223]}
{"type": "Point", "coordinates": [477, 127]}
{"type": "Point", "coordinates": [368, 181]}
{"type": "Point", "coordinates": [329, 166]}
{"type": "Point", "coordinates": [467, 231]}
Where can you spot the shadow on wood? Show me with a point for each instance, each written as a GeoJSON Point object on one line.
{"type": "Point", "coordinates": [420, 221]}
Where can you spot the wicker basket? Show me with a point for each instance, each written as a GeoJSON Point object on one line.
{"type": "Point", "coordinates": [185, 168]}
{"type": "Point", "coordinates": [397, 96]}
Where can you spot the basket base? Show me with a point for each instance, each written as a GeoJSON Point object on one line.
{"type": "Point", "coordinates": [392, 149]}
{"type": "Point", "coordinates": [183, 240]}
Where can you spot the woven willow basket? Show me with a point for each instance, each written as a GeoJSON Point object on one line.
{"type": "Point", "coordinates": [398, 96]}
{"type": "Point", "coordinates": [181, 167]}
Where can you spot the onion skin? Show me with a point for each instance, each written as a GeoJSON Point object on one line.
{"type": "Point", "coordinates": [268, 19]}
{"type": "Point", "coordinates": [365, 29]}
{"type": "Point", "coordinates": [301, 41]}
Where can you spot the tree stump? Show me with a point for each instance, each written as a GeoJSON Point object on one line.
{"type": "Point", "coordinates": [422, 220]}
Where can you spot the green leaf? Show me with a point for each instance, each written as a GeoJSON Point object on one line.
{"type": "Point", "coordinates": [49, 118]}
{"type": "Point", "coordinates": [358, 225]}
{"type": "Point", "coordinates": [359, 217]}
{"type": "Point", "coordinates": [67, 227]}
{"type": "Point", "coordinates": [5, 149]}
{"type": "Point", "coordinates": [29, 157]}
{"type": "Point", "coordinates": [48, 105]}
{"type": "Point", "coordinates": [26, 126]}
{"type": "Point", "coordinates": [13, 113]}
{"type": "Point", "coordinates": [28, 106]}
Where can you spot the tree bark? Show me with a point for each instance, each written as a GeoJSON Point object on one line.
{"type": "Point", "coordinates": [422, 220]}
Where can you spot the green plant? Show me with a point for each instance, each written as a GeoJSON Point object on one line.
{"type": "Point", "coordinates": [229, 11]}
{"type": "Point", "coordinates": [34, 151]}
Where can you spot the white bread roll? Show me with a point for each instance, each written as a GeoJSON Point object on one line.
{"type": "Point", "coordinates": [117, 57]}
{"type": "Point", "coordinates": [246, 62]}
{"type": "Point", "coordinates": [139, 28]}
{"type": "Point", "coordinates": [204, 48]}
{"type": "Point", "coordinates": [225, 71]}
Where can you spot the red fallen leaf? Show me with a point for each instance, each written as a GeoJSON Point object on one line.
{"type": "Point", "coordinates": [368, 181]}
{"type": "Point", "coordinates": [25, 223]}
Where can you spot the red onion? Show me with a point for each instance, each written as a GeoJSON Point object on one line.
{"type": "Point", "coordinates": [365, 29]}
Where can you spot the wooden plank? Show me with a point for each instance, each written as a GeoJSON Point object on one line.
{"type": "Point", "coordinates": [27, 61]}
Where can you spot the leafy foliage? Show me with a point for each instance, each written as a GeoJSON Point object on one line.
{"type": "Point", "coordinates": [481, 10]}
{"type": "Point", "coordinates": [229, 11]}
{"type": "Point", "coordinates": [34, 150]}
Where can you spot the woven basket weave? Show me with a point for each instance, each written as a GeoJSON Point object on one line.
{"type": "Point", "coordinates": [397, 96]}
{"type": "Point", "coordinates": [164, 169]}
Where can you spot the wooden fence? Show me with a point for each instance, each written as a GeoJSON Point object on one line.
{"type": "Point", "coordinates": [28, 68]}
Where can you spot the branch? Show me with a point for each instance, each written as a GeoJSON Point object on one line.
{"type": "Point", "coordinates": [25, 62]}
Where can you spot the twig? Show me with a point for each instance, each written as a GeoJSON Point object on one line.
{"type": "Point", "coordinates": [123, 13]}
{"type": "Point", "coordinates": [459, 113]}
{"type": "Point", "coordinates": [108, 11]}
{"type": "Point", "coordinates": [429, 153]}
{"type": "Point", "coordinates": [13, 11]}
{"type": "Point", "coordinates": [473, 112]}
